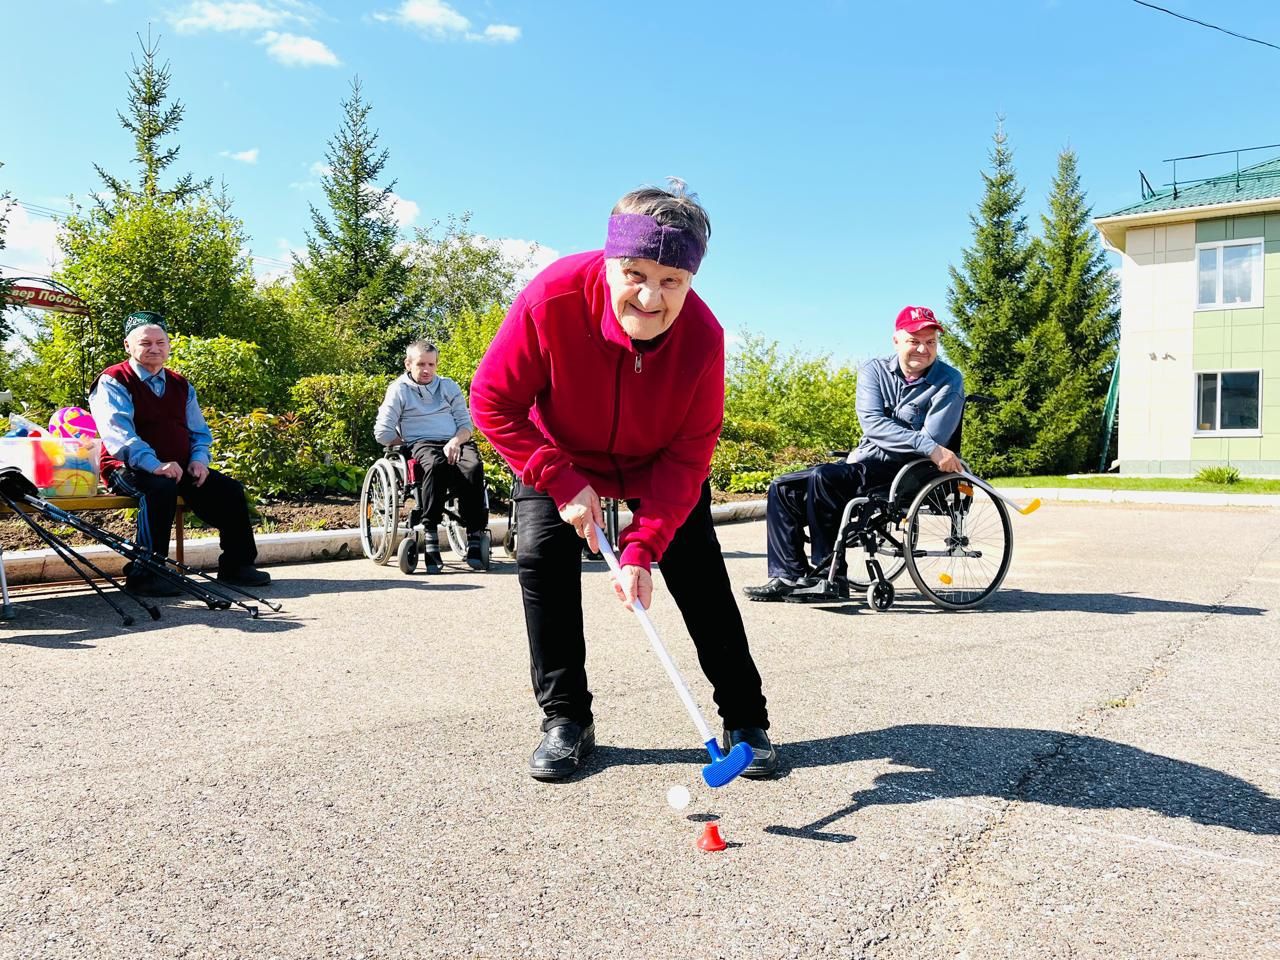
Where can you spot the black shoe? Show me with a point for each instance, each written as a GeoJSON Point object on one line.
{"type": "Point", "coordinates": [145, 585]}
{"type": "Point", "coordinates": [561, 751]}
{"type": "Point", "coordinates": [824, 591]}
{"type": "Point", "coordinates": [245, 576]}
{"type": "Point", "coordinates": [474, 558]}
{"type": "Point", "coordinates": [764, 754]}
{"type": "Point", "coordinates": [431, 559]}
{"type": "Point", "coordinates": [778, 588]}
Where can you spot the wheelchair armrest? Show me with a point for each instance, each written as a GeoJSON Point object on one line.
{"type": "Point", "coordinates": [979, 399]}
{"type": "Point", "coordinates": [838, 454]}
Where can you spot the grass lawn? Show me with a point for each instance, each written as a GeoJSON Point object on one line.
{"type": "Point", "coordinates": [1102, 482]}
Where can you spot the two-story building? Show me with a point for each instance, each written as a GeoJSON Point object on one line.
{"type": "Point", "coordinates": [1200, 325]}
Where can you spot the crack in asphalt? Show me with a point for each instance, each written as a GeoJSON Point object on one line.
{"type": "Point", "coordinates": [1039, 771]}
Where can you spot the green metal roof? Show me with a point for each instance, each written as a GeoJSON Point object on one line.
{"type": "Point", "coordinates": [1258, 182]}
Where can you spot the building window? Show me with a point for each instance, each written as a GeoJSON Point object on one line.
{"type": "Point", "coordinates": [1229, 274]}
{"type": "Point", "coordinates": [1229, 401]}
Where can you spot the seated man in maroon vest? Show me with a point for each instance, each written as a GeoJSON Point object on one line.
{"type": "Point", "coordinates": [155, 446]}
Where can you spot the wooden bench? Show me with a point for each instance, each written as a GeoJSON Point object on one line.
{"type": "Point", "coordinates": [109, 501]}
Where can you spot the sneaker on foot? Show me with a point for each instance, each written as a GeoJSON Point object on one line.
{"type": "Point", "coordinates": [778, 588]}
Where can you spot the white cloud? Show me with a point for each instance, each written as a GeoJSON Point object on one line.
{"type": "Point", "coordinates": [243, 156]}
{"type": "Point", "coordinates": [30, 244]}
{"type": "Point", "coordinates": [280, 264]}
{"type": "Point", "coordinates": [233, 15]}
{"type": "Point", "coordinates": [501, 33]}
{"type": "Point", "coordinates": [295, 51]}
{"type": "Point", "coordinates": [439, 21]}
{"type": "Point", "coordinates": [535, 256]}
{"type": "Point", "coordinates": [404, 211]}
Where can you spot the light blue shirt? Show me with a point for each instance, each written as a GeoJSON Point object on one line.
{"type": "Point", "coordinates": [900, 419]}
{"type": "Point", "coordinates": [412, 411]}
{"type": "Point", "coordinates": [112, 410]}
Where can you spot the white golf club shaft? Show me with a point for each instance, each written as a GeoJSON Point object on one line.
{"type": "Point", "coordinates": [607, 551]}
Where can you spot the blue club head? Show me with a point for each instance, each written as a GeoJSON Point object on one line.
{"type": "Point", "coordinates": [724, 767]}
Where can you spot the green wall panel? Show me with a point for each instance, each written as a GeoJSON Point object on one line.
{"type": "Point", "coordinates": [1250, 226]}
{"type": "Point", "coordinates": [1208, 231]}
{"type": "Point", "coordinates": [1243, 448]}
{"type": "Point", "coordinates": [1212, 340]}
{"type": "Point", "coordinates": [1206, 448]}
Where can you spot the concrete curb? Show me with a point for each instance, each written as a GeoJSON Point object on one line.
{"type": "Point", "coordinates": [38, 566]}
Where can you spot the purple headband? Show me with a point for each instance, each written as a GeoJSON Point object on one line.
{"type": "Point", "coordinates": [640, 236]}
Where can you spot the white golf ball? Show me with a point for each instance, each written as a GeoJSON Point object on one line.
{"type": "Point", "coordinates": [678, 797]}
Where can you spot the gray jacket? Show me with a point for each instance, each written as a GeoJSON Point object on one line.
{"type": "Point", "coordinates": [901, 420]}
{"type": "Point", "coordinates": [412, 412]}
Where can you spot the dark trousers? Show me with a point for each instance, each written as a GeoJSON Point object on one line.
{"type": "Point", "coordinates": [550, 571]}
{"type": "Point", "coordinates": [439, 478]}
{"type": "Point", "coordinates": [219, 502]}
{"type": "Point", "coordinates": [815, 498]}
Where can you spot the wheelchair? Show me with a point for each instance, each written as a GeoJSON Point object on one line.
{"type": "Point", "coordinates": [390, 520]}
{"type": "Point", "coordinates": [949, 531]}
{"type": "Point", "coordinates": [609, 506]}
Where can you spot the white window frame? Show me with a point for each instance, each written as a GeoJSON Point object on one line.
{"type": "Point", "coordinates": [1258, 293]}
{"type": "Point", "coordinates": [1218, 432]}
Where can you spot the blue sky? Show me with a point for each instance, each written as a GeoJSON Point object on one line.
{"type": "Point", "coordinates": [836, 145]}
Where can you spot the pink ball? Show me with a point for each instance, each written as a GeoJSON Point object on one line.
{"type": "Point", "coordinates": [73, 422]}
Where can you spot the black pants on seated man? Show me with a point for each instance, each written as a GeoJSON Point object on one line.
{"type": "Point", "coordinates": [439, 478]}
{"type": "Point", "coordinates": [219, 502]}
{"type": "Point", "coordinates": [815, 498]}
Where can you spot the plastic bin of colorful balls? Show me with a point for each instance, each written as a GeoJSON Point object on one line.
{"type": "Point", "coordinates": [61, 459]}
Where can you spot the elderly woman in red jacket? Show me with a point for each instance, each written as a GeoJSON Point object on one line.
{"type": "Point", "coordinates": [607, 380]}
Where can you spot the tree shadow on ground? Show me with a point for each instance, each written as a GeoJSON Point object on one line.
{"type": "Point", "coordinates": [942, 761]}
{"type": "Point", "coordinates": [1028, 601]}
{"type": "Point", "coordinates": [1033, 766]}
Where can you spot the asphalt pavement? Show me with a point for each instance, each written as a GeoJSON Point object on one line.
{"type": "Point", "coordinates": [1087, 767]}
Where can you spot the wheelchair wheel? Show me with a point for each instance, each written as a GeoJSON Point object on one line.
{"type": "Point", "coordinates": [961, 540]}
{"type": "Point", "coordinates": [456, 535]}
{"type": "Point", "coordinates": [892, 562]}
{"type": "Point", "coordinates": [380, 512]}
{"type": "Point", "coordinates": [880, 596]}
{"type": "Point", "coordinates": [407, 554]}
{"type": "Point", "coordinates": [486, 550]}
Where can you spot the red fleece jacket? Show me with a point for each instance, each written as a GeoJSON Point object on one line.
{"type": "Point", "coordinates": [565, 397]}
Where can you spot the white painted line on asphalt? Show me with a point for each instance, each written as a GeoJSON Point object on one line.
{"type": "Point", "coordinates": [1179, 847]}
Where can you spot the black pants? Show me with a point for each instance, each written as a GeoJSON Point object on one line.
{"type": "Point", "coordinates": [219, 502]}
{"type": "Point", "coordinates": [550, 569]}
{"type": "Point", "coordinates": [465, 479]}
{"type": "Point", "coordinates": [815, 498]}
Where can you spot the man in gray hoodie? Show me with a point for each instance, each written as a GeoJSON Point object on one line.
{"type": "Point", "coordinates": [428, 414]}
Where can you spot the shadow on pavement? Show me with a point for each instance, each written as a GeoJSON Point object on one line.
{"type": "Point", "coordinates": [1032, 766]}
{"type": "Point", "coordinates": [1028, 601]}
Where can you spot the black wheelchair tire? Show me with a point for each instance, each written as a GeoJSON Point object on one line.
{"type": "Point", "coordinates": [407, 554]}
{"type": "Point", "coordinates": [996, 520]}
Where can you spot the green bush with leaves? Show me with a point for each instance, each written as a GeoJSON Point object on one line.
{"type": "Point", "coordinates": [265, 452]}
{"type": "Point", "coordinates": [1222, 475]}
{"type": "Point", "coordinates": [337, 413]}
{"type": "Point", "coordinates": [809, 401]}
{"type": "Point", "coordinates": [750, 481]}
{"type": "Point", "coordinates": [228, 374]}
{"type": "Point", "coordinates": [736, 456]}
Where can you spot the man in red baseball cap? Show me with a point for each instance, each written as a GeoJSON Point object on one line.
{"type": "Point", "coordinates": [909, 406]}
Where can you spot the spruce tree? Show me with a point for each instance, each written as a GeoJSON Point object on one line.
{"type": "Point", "coordinates": [1080, 329]}
{"type": "Point", "coordinates": [992, 299]}
{"type": "Point", "coordinates": [150, 120]}
{"type": "Point", "coordinates": [353, 266]}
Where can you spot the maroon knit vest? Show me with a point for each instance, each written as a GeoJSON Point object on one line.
{"type": "Point", "coordinates": [160, 421]}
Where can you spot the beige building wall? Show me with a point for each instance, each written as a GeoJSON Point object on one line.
{"type": "Point", "coordinates": [1157, 299]}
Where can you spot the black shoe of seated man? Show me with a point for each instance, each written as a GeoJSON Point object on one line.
{"type": "Point", "coordinates": [244, 576]}
{"type": "Point", "coordinates": [764, 754]}
{"type": "Point", "coordinates": [823, 591]}
{"type": "Point", "coordinates": [431, 559]}
{"type": "Point", "coordinates": [474, 559]}
{"type": "Point", "coordinates": [778, 588]}
{"type": "Point", "coordinates": [561, 751]}
{"type": "Point", "coordinates": [146, 585]}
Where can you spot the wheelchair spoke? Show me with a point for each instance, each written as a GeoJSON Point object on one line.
{"type": "Point", "coordinates": [962, 543]}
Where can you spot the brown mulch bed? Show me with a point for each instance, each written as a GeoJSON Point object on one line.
{"type": "Point", "coordinates": [319, 513]}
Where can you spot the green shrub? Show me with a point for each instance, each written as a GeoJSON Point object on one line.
{"type": "Point", "coordinates": [265, 452]}
{"type": "Point", "coordinates": [760, 432]}
{"type": "Point", "coordinates": [337, 412]}
{"type": "Point", "coordinates": [228, 374]}
{"type": "Point", "coordinates": [750, 481]}
{"type": "Point", "coordinates": [736, 456]}
{"type": "Point", "coordinates": [1225, 475]}
{"type": "Point", "coordinates": [334, 478]}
